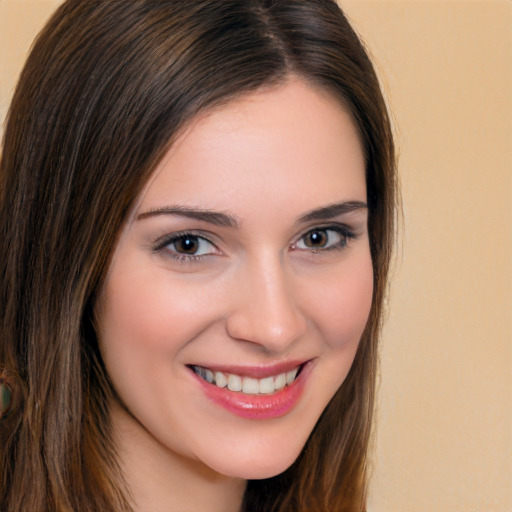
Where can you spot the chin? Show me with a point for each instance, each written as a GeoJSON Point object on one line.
{"type": "Point", "coordinates": [258, 467]}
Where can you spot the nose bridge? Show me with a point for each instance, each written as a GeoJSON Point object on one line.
{"type": "Point", "coordinates": [265, 309]}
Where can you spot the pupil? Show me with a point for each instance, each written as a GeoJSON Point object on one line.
{"type": "Point", "coordinates": [187, 245]}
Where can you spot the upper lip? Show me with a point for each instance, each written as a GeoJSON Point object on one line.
{"type": "Point", "coordinates": [254, 371]}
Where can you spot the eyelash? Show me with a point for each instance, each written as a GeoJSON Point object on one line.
{"type": "Point", "coordinates": [164, 242]}
{"type": "Point", "coordinates": [160, 246]}
{"type": "Point", "coordinates": [344, 231]}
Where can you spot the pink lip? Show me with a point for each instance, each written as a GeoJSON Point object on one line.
{"type": "Point", "coordinates": [258, 406]}
{"type": "Point", "coordinates": [256, 372]}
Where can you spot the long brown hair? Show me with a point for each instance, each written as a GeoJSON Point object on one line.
{"type": "Point", "coordinates": [107, 87]}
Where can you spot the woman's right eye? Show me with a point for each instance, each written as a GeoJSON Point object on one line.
{"type": "Point", "coordinates": [185, 247]}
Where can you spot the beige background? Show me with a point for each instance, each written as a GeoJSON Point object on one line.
{"type": "Point", "coordinates": [444, 440]}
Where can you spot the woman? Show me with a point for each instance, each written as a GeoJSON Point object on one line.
{"type": "Point", "coordinates": [196, 210]}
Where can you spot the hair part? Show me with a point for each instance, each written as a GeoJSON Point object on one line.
{"type": "Point", "coordinates": [106, 89]}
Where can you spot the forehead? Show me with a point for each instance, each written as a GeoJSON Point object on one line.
{"type": "Point", "coordinates": [280, 144]}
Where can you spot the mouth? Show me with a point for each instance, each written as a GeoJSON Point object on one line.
{"type": "Point", "coordinates": [248, 385]}
{"type": "Point", "coordinates": [257, 393]}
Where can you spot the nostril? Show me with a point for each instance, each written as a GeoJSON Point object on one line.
{"type": "Point", "coordinates": [274, 334]}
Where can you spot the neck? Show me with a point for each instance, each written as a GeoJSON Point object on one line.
{"type": "Point", "coordinates": [161, 480]}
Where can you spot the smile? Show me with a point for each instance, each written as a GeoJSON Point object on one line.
{"type": "Point", "coordinates": [248, 385]}
{"type": "Point", "coordinates": [257, 393]}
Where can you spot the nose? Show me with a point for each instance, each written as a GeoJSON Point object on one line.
{"type": "Point", "coordinates": [264, 306]}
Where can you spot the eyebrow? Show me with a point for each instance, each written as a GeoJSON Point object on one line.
{"type": "Point", "coordinates": [229, 220]}
{"type": "Point", "coordinates": [333, 210]}
{"type": "Point", "coordinates": [212, 217]}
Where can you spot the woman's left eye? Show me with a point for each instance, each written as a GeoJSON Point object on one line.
{"type": "Point", "coordinates": [322, 239]}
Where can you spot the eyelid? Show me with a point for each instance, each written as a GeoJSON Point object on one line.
{"type": "Point", "coordinates": [162, 242]}
{"type": "Point", "coordinates": [343, 229]}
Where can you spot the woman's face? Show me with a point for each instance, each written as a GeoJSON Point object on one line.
{"type": "Point", "coordinates": [246, 264]}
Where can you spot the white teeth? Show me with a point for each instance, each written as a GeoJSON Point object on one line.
{"type": "Point", "coordinates": [247, 385]}
{"type": "Point", "coordinates": [234, 383]}
{"type": "Point", "coordinates": [267, 385]}
{"type": "Point", "coordinates": [209, 376]}
{"type": "Point", "coordinates": [220, 380]}
{"type": "Point", "coordinates": [250, 386]}
{"type": "Point", "coordinates": [290, 376]}
{"type": "Point", "coordinates": [280, 381]}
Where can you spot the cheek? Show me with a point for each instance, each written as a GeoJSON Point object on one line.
{"type": "Point", "coordinates": [342, 309]}
{"type": "Point", "coordinates": [341, 317]}
{"type": "Point", "coordinates": [146, 317]}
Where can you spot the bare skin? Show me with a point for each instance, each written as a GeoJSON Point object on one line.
{"type": "Point", "coordinates": [161, 481]}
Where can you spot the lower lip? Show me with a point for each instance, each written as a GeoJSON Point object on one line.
{"type": "Point", "coordinates": [258, 407]}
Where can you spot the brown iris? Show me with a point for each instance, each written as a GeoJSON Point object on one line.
{"type": "Point", "coordinates": [316, 239]}
{"type": "Point", "coordinates": [187, 244]}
